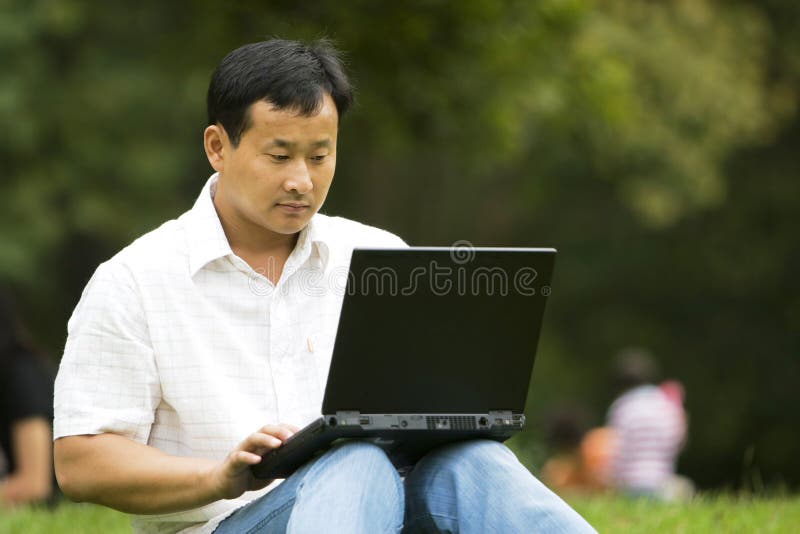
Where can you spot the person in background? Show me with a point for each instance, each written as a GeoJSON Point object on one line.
{"type": "Point", "coordinates": [649, 427]}
{"type": "Point", "coordinates": [564, 471]}
{"type": "Point", "coordinates": [580, 456]}
{"type": "Point", "coordinates": [26, 412]}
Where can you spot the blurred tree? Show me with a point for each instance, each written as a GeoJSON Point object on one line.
{"type": "Point", "coordinates": [654, 143]}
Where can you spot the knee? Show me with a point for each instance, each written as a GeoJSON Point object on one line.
{"type": "Point", "coordinates": [481, 486]}
{"type": "Point", "coordinates": [362, 464]}
{"type": "Point", "coordinates": [480, 449]}
{"type": "Point", "coordinates": [479, 453]}
{"type": "Point", "coordinates": [360, 453]}
{"type": "Point", "coordinates": [475, 459]}
{"type": "Point", "coordinates": [351, 488]}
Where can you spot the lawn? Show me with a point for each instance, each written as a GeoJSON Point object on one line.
{"type": "Point", "coordinates": [721, 514]}
{"type": "Point", "coordinates": [714, 514]}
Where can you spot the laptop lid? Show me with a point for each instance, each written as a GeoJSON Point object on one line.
{"type": "Point", "coordinates": [438, 330]}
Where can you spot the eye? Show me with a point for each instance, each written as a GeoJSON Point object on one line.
{"type": "Point", "coordinates": [318, 159]}
{"type": "Point", "coordinates": [279, 157]}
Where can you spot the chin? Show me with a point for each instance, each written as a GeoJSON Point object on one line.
{"type": "Point", "coordinates": [286, 224]}
{"type": "Point", "coordinates": [288, 227]}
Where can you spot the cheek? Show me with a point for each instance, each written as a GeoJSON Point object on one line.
{"type": "Point", "coordinates": [326, 174]}
{"type": "Point", "coordinates": [323, 183]}
{"type": "Point", "coordinates": [255, 191]}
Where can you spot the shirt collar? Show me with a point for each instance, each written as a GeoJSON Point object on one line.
{"type": "Point", "coordinates": [312, 243]}
{"type": "Point", "coordinates": [205, 236]}
{"type": "Point", "coordinates": [207, 241]}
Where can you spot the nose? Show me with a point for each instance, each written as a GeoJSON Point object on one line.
{"type": "Point", "coordinates": [298, 179]}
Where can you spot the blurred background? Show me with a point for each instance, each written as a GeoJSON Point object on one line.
{"type": "Point", "coordinates": [655, 144]}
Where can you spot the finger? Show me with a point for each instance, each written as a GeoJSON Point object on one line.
{"type": "Point", "coordinates": [248, 457]}
{"type": "Point", "coordinates": [279, 431]}
{"type": "Point", "coordinates": [243, 458]}
{"type": "Point", "coordinates": [291, 427]}
{"type": "Point", "coordinates": [259, 443]}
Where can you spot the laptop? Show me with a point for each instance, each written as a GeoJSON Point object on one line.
{"type": "Point", "coordinates": [433, 346]}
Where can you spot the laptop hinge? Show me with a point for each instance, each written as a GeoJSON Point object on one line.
{"type": "Point", "coordinates": [348, 417]}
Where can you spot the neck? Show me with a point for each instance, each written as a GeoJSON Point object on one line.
{"type": "Point", "coordinates": [264, 251]}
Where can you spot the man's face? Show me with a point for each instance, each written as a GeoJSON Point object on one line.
{"type": "Point", "coordinates": [279, 175]}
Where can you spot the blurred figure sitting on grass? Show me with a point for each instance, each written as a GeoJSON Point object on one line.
{"type": "Point", "coordinates": [26, 412]}
{"type": "Point", "coordinates": [580, 458]}
{"type": "Point", "coordinates": [649, 429]}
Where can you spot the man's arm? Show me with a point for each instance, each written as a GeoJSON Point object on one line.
{"type": "Point", "coordinates": [114, 471]}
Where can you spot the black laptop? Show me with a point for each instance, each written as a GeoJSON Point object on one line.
{"type": "Point", "coordinates": [434, 345]}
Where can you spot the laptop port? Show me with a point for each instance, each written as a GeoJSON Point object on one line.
{"type": "Point", "coordinates": [483, 421]}
{"type": "Point", "coordinates": [332, 421]}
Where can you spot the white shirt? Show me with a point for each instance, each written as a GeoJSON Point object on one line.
{"type": "Point", "coordinates": [649, 430]}
{"type": "Point", "coordinates": [177, 343]}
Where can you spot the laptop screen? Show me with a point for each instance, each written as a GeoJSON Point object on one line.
{"type": "Point", "coordinates": [438, 330]}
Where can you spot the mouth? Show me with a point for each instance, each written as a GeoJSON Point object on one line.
{"type": "Point", "coordinates": [293, 207]}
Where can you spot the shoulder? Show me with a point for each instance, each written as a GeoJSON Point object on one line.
{"type": "Point", "coordinates": [162, 250]}
{"type": "Point", "coordinates": [116, 283]}
{"type": "Point", "coordinates": [339, 231]}
{"type": "Point", "coordinates": [642, 401]}
{"type": "Point", "coordinates": [158, 248]}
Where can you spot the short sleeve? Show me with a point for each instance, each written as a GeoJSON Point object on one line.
{"type": "Point", "coordinates": [107, 381]}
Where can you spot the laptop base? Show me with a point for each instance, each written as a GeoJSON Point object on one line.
{"type": "Point", "coordinates": [405, 438]}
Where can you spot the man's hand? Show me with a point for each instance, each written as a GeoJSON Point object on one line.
{"type": "Point", "coordinates": [232, 477]}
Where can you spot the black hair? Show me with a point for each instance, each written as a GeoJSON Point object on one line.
{"type": "Point", "coordinates": [565, 427]}
{"type": "Point", "coordinates": [635, 366]}
{"type": "Point", "coordinates": [288, 74]}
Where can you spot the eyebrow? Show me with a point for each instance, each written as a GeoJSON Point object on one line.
{"type": "Point", "coordinates": [282, 143]}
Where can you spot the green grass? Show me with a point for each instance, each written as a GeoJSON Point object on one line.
{"type": "Point", "coordinates": [721, 514]}
{"type": "Point", "coordinates": [713, 514]}
{"type": "Point", "coordinates": [67, 518]}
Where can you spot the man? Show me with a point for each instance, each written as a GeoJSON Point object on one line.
{"type": "Point", "coordinates": [190, 346]}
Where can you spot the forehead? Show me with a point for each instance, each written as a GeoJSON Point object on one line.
{"type": "Point", "coordinates": [267, 121]}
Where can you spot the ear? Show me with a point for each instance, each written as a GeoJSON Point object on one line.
{"type": "Point", "coordinates": [215, 139]}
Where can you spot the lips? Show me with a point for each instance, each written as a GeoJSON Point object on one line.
{"type": "Point", "coordinates": [293, 209]}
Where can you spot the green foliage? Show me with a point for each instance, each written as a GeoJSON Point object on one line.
{"type": "Point", "coordinates": [653, 143]}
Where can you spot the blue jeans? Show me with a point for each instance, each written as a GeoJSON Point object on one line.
{"type": "Point", "coordinates": [474, 486]}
